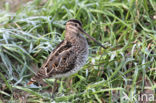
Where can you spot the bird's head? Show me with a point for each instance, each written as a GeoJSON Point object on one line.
{"type": "Point", "coordinates": [74, 26]}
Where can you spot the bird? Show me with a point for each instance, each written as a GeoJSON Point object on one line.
{"type": "Point", "coordinates": [69, 55]}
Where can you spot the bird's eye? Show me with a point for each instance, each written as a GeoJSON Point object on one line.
{"type": "Point", "coordinates": [76, 25]}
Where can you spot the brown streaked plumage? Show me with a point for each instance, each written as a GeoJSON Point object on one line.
{"type": "Point", "coordinates": [69, 56]}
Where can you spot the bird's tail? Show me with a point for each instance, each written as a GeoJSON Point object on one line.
{"type": "Point", "coordinates": [32, 80]}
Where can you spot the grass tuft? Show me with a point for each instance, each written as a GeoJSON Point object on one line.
{"type": "Point", "coordinates": [127, 67]}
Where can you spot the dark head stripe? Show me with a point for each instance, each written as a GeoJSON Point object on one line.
{"type": "Point", "coordinates": [75, 21]}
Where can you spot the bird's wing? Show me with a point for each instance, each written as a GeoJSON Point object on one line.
{"type": "Point", "coordinates": [61, 60]}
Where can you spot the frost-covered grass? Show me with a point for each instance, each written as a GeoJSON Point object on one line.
{"type": "Point", "coordinates": [127, 67]}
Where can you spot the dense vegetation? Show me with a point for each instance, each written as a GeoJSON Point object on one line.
{"type": "Point", "coordinates": [127, 67]}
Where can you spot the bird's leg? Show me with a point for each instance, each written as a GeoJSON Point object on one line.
{"type": "Point", "coordinates": [69, 83]}
{"type": "Point", "coordinates": [55, 87]}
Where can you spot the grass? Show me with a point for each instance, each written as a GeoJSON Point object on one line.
{"type": "Point", "coordinates": [127, 67]}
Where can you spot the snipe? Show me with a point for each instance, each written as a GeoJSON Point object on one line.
{"type": "Point", "coordinates": [69, 56]}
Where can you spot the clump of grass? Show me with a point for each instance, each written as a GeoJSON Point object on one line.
{"type": "Point", "coordinates": [125, 68]}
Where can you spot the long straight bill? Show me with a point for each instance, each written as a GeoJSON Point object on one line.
{"type": "Point", "coordinates": [91, 38]}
